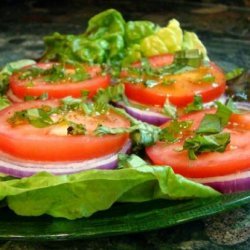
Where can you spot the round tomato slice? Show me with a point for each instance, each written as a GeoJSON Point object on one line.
{"type": "Point", "coordinates": [53, 143]}
{"type": "Point", "coordinates": [180, 88]}
{"type": "Point", "coordinates": [38, 85]}
{"type": "Point", "coordinates": [236, 157]}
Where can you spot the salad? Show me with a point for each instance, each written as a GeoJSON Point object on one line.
{"type": "Point", "coordinates": [124, 112]}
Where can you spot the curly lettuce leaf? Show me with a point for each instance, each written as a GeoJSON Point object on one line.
{"type": "Point", "coordinates": [110, 39]}
{"type": "Point", "coordinates": [82, 194]}
{"type": "Point", "coordinates": [165, 40]}
{"type": "Point", "coordinates": [191, 41]}
{"type": "Point", "coordinates": [137, 30]}
{"type": "Point", "coordinates": [102, 41]}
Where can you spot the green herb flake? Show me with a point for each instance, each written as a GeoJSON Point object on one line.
{"type": "Point", "coordinates": [234, 73]}
{"type": "Point", "coordinates": [209, 78]}
{"type": "Point", "coordinates": [196, 105]}
{"type": "Point", "coordinates": [43, 97]}
{"type": "Point", "coordinates": [206, 143]}
{"type": "Point", "coordinates": [223, 112]}
{"type": "Point", "coordinates": [167, 82]}
{"type": "Point", "coordinates": [174, 130]}
{"type": "Point", "coordinates": [170, 110]}
{"type": "Point", "coordinates": [76, 129]}
{"type": "Point", "coordinates": [4, 102]}
{"type": "Point", "coordinates": [29, 84]}
{"type": "Point", "coordinates": [210, 124]}
{"type": "Point", "coordinates": [192, 58]}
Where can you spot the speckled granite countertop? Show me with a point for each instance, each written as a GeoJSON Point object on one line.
{"type": "Point", "coordinates": [225, 29]}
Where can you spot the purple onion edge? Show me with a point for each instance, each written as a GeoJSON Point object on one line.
{"type": "Point", "coordinates": [230, 186]}
{"type": "Point", "coordinates": [27, 173]}
{"type": "Point", "coordinates": [152, 117]}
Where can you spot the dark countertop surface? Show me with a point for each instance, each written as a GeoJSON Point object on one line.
{"type": "Point", "coordinates": [223, 26]}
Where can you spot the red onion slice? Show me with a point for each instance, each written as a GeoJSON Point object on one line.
{"type": "Point", "coordinates": [154, 117]}
{"type": "Point", "coordinates": [151, 117]}
{"type": "Point", "coordinates": [27, 168]}
{"type": "Point", "coordinates": [232, 183]}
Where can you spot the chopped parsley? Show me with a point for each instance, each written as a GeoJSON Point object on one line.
{"type": "Point", "coordinates": [209, 136]}
{"type": "Point", "coordinates": [76, 129]}
{"type": "Point", "coordinates": [56, 73]}
{"type": "Point", "coordinates": [184, 61]}
{"type": "Point", "coordinates": [4, 102]}
{"type": "Point", "coordinates": [206, 143]}
{"type": "Point", "coordinates": [208, 78]}
{"type": "Point", "coordinates": [234, 73]}
{"type": "Point", "coordinates": [196, 105]}
{"type": "Point", "coordinates": [174, 130]}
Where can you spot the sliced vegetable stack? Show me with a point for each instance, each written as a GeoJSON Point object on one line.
{"type": "Point", "coordinates": [56, 80]}
{"type": "Point", "coordinates": [57, 120]}
{"type": "Point", "coordinates": [211, 148]}
{"type": "Point", "coordinates": [58, 137]}
{"type": "Point", "coordinates": [161, 84]}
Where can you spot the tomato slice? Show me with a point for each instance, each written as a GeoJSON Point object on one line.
{"type": "Point", "coordinates": [52, 143]}
{"type": "Point", "coordinates": [158, 60]}
{"type": "Point", "coordinates": [183, 88]}
{"type": "Point", "coordinates": [60, 89]}
{"type": "Point", "coordinates": [236, 158]}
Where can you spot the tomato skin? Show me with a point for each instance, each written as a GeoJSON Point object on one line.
{"type": "Point", "coordinates": [158, 60]}
{"type": "Point", "coordinates": [59, 90]}
{"type": "Point", "coordinates": [182, 91]}
{"type": "Point", "coordinates": [38, 144]}
{"type": "Point", "coordinates": [236, 158]}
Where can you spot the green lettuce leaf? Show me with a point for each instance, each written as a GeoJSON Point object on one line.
{"type": "Point", "coordinates": [8, 69]}
{"type": "Point", "coordinates": [103, 41]}
{"type": "Point", "coordinates": [82, 194]}
{"type": "Point", "coordinates": [191, 41]}
{"type": "Point", "coordinates": [4, 102]}
{"type": "Point", "coordinates": [165, 40]}
{"type": "Point", "coordinates": [110, 39]}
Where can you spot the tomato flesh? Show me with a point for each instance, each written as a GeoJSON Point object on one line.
{"type": "Point", "coordinates": [21, 88]}
{"type": "Point", "coordinates": [183, 89]}
{"type": "Point", "coordinates": [236, 157]}
{"type": "Point", "coordinates": [48, 144]}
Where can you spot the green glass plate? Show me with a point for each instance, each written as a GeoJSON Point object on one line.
{"type": "Point", "coordinates": [122, 218]}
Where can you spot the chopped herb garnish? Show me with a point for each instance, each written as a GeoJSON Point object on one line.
{"type": "Point", "coordinates": [4, 102]}
{"type": "Point", "coordinates": [210, 124]}
{"type": "Point", "coordinates": [174, 130]}
{"type": "Point", "coordinates": [169, 109]}
{"type": "Point", "coordinates": [143, 134]}
{"type": "Point", "coordinates": [76, 129]}
{"type": "Point", "coordinates": [29, 84]}
{"type": "Point", "coordinates": [207, 78]}
{"type": "Point", "coordinates": [209, 136]}
{"type": "Point", "coordinates": [196, 105]}
{"type": "Point", "coordinates": [167, 82]}
{"type": "Point", "coordinates": [54, 74]}
{"type": "Point", "coordinates": [37, 117]}
{"type": "Point", "coordinates": [192, 58]}
{"type": "Point", "coordinates": [206, 143]}
{"type": "Point", "coordinates": [223, 112]}
{"type": "Point", "coordinates": [184, 61]}
{"type": "Point", "coordinates": [234, 73]}
{"type": "Point", "coordinates": [29, 98]}
{"type": "Point", "coordinates": [43, 96]}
